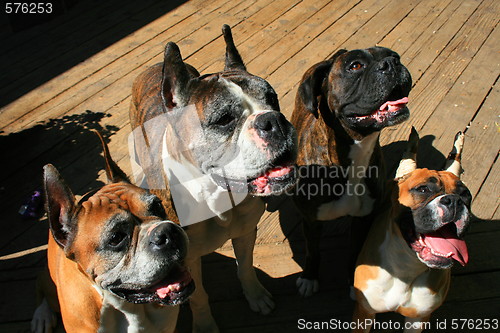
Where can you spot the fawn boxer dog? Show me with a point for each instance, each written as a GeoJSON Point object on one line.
{"type": "Point", "coordinates": [341, 106]}
{"type": "Point", "coordinates": [405, 263]}
{"type": "Point", "coordinates": [208, 146]}
{"type": "Point", "coordinates": [116, 260]}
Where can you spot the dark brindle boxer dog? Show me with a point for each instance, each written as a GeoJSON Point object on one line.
{"type": "Point", "coordinates": [205, 122]}
{"type": "Point", "coordinates": [405, 263]}
{"type": "Point", "coordinates": [115, 259]}
{"type": "Point", "coordinates": [342, 104]}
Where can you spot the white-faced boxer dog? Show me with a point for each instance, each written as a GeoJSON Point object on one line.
{"type": "Point", "coordinates": [341, 106]}
{"type": "Point", "coordinates": [221, 136]}
{"type": "Point", "coordinates": [405, 263]}
{"type": "Point", "coordinates": [116, 261]}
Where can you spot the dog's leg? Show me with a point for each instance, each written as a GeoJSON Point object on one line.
{"type": "Point", "coordinates": [308, 282]}
{"type": "Point", "coordinates": [416, 325]}
{"type": "Point", "coordinates": [203, 321]}
{"type": "Point", "coordinates": [45, 316]}
{"type": "Point", "coordinates": [362, 318]}
{"type": "Point", "coordinates": [258, 297]}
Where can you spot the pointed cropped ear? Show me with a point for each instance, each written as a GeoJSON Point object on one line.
{"type": "Point", "coordinates": [113, 171]}
{"type": "Point", "coordinates": [175, 77]}
{"type": "Point", "coordinates": [60, 204]}
{"type": "Point", "coordinates": [409, 161]}
{"type": "Point", "coordinates": [454, 161]}
{"type": "Point", "coordinates": [233, 58]}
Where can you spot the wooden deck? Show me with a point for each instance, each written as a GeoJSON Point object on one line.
{"type": "Point", "coordinates": [74, 74]}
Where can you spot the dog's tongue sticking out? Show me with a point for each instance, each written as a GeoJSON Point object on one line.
{"type": "Point", "coordinates": [446, 242]}
{"type": "Point", "coordinates": [392, 106]}
{"type": "Point", "coordinates": [262, 182]}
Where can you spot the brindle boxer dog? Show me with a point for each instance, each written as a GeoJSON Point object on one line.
{"type": "Point", "coordinates": [201, 139]}
{"type": "Point", "coordinates": [116, 260]}
{"type": "Point", "coordinates": [341, 106]}
{"type": "Point", "coordinates": [405, 263]}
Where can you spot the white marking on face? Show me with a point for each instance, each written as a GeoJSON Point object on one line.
{"type": "Point", "coordinates": [253, 157]}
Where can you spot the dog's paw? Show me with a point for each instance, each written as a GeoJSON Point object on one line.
{"type": "Point", "coordinates": [260, 300]}
{"type": "Point", "coordinates": [44, 319]}
{"type": "Point", "coordinates": [307, 287]}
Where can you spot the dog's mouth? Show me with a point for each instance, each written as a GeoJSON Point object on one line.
{"type": "Point", "coordinates": [273, 181]}
{"type": "Point", "coordinates": [438, 249]}
{"type": "Point", "coordinates": [172, 290]}
{"type": "Point", "coordinates": [391, 112]}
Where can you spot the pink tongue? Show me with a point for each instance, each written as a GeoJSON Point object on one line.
{"type": "Point", "coordinates": [262, 181]}
{"type": "Point", "coordinates": [278, 172]}
{"type": "Point", "coordinates": [163, 292]}
{"type": "Point", "coordinates": [444, 241]}
{"type": "Point", "coordinates": [388, 104]}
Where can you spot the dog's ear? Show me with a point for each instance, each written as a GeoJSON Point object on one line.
{"type": "Point", "coordinates": [60, 205]}
{"type": "Point", "coordinates": [311, 88]}
{"type": "Point", "coordinates": [233, 58]}
{"type": "Point", "coordinates": [453, 162]}
{"type": "Point", "coordinates": [408, 162]}
{"type": "Point", "coordinates": [175, 77]}
{"type": "Point", "coordinates": [113, 171]}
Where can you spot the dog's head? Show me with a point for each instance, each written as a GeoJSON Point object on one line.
{"type": "Point", "coordinates": [228, 124]}
{"type": "Point", "coordinates": [366, 89]}
{"type": "Point", "coordinates": [120, 238]}
{"type": "Point", "coordinates": [435, 209]}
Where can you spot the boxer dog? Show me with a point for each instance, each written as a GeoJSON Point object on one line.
{"type": "Point", "coordinates": [116, 261]}
{"type": "Point", "coordinates": [405, 263]}
{"type": "Point", "coordinates": [208, 146]}
{"type": "Point", "coordinates": [341, 106]}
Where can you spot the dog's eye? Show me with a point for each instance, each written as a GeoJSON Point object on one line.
{"type": "Point", "coordinates": [356, 66]}
{"type": "Point", "coordinates": [465, 194]}
{"type": "Point", "coordinates": [423, 189]}
{"type": "Point", "coordinates": [156, 208]}
{"type": "Point", "coordinates": [116, 239]}
{"type": "Point", "coordinates": [224, 121]}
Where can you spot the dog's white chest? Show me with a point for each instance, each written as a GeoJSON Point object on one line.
{"type": "Point", "coordinates": [121, 316]}
{"type": "Point", "coordinates": [355, 199]}
{"type": "Point", "coordinates": [388, 293]}
{"type": "Point", "coordinates": [402, 283]}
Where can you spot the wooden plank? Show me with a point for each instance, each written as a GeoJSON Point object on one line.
{"type": "Point", "coordinates": [457, 109]}
{"type": "Point", "coordinates": [482, 141]}
{"type": "Point", "coordinates": [301, 35]}
{"type": "Point", "coordinates": [442, 74]}
{"type": "Point", "coordinates": [274, 31]}
{"type": "Point", "coordinates": [287, 75]}
{"type": "Point", "coordinates": [73, 42]}
{"type": "Point", "coordinates": [103, 94]}
{"type": "Point", "coordinates": [487, 202]}
{"type": "Point", "coordinates": [142, 44]}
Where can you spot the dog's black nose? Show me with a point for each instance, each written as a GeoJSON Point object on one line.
{"type": "Point", "coordinates": [271, 124]}
{"type": "Point", "coordinates": [165, 237]}
{"type": "Point", "coordinates": [388, 64]}
{"type": "Point", "coordinates": [450, 200]}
